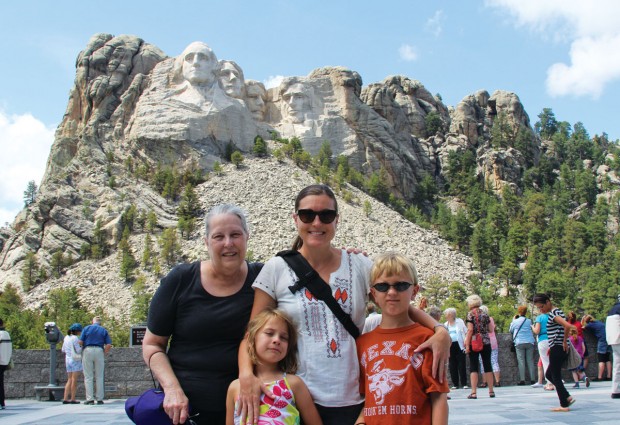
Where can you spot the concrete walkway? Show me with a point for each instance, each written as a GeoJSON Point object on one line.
{"type": "Point", "coordinates": [512, 405]}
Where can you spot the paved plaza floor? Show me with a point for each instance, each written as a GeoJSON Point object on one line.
{"type": "Point", "coordinates": [512, 405]}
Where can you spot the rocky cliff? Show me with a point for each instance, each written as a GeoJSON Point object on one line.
{"type": "Point", "coordinates": [133, 106]}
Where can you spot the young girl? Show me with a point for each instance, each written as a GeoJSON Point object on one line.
{"type": "Point", "coordinates": [579, 372]}
{"type": "Point", "coordinates": [272, 347]}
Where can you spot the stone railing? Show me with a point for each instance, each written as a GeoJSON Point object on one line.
{"type": "Point", "coordinates": [126, 374]}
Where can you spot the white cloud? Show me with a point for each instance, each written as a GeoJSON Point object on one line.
{"type": "Point", "coordinates": [273, 81]}
{"type": "Point", "coordinates": [593, 29]}
{"type": "Point", "coordinates": [25, 145]}
{"type": "Point", "coordinates": [434, 24]}
{"type": "Point", "coordinates": [407, 53]}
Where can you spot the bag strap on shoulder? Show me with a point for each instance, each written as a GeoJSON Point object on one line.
{"type": "Point", "coordinates": [309, 278]}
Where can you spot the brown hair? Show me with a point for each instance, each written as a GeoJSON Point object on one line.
{"type": "Point", "coordinates": [312, 190]}
{"type": "Point", "coordinates": [289, 363]}
{"type": "Point", "coordinates": [522, 310]}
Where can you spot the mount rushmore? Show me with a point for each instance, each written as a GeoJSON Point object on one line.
{"type": "Point", "coordinates": [131, 100]}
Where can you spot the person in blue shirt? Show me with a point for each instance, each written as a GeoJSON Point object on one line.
{"type": "Point", "coordinates": [539, 328]}
{"type": "Point", "coordinates": [523, 339]}
{"type": "Point", "coordinates": [603, 352]}
{"type": "Point", "coordinates": [95, 342]}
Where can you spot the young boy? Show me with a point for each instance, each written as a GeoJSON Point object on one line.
{"type": "Point", "coordinates": [398, 385]}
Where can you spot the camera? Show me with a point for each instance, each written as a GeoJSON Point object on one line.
{"type": "Point", "coordinates": [52, 333]}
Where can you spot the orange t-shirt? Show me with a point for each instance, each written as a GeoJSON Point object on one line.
{"type": "Point", "coordinates": [395, 381]}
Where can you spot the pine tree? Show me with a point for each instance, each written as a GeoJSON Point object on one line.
{"type": "Point", "coordinates": [260, 147]}
{"type": "Point", "coordinates": [141, 300]}
{"type": "Point", "coordinates": [57, 263]}
{"type": "Point", "coordinates": [30, 271]}
{"type": "Point", "coordinates": [127, 259]}
{"type": "Point", "coordinates": [30, 193]}
{"type": "Point", "coordinates": [170, 246]}
{"type": "Point", "coordinates": [147, 253]}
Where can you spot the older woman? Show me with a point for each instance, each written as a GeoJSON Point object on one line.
{"type": "Point", "coordinates": [202, 308]}
{"type": "Point", "coordinates": [478, 323]}
{"type": "Point", "coordinates": [457, 330]}
{"type": "Point", "coordinates": [557, 332]}
{"type": "Point", "coordinates": [327, 352]}
{"type": "Point", "coordinates": [521, 330]}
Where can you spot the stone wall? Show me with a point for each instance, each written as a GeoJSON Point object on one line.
{"type": "Point", "coordinates": [126, 374]}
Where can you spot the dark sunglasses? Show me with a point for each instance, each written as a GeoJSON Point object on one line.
{"type": "Point", "coordinates": [308, 216]}
{"type": "Point", "coordinates": [399, 286]}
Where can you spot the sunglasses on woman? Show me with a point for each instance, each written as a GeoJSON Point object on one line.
{"type": "Point", "coordinates": [399, 286]}
{"type": "Point", "coordinates": [308, 216]}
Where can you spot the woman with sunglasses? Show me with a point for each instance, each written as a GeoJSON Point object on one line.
{"type": "Point", "coordinates": [327, 352]}
{"type": "Point", "coordinates": [558, 330]}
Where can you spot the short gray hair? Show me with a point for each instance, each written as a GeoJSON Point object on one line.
{"type": "Point", "coordinates": [473, 301]}
{"type": "Point", "coordinates": [484, 309]}
{"type": "Point", "coordinates": [227, 209]}
{"type": "Point", "coordinates": [434, 312]}
{"type": "Point", "coordinates": [449, 310]}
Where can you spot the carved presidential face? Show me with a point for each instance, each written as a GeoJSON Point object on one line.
{"type": "Point", "coordinates": [231, 79]}
{"type": "Point", "coordinates": [255, 99]}
{"type": "Point", "coordinates": [297, 102]}
{"type": "Point", "coordinates": [199, 64]}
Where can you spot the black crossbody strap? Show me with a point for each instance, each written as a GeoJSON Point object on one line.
{"type": "Point", "coordinates": [514, 337]}
{"type": "Point", "coordinates": [309, 278]}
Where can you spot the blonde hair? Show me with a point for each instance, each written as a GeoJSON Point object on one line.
{"type": "Point", "coordinates": [289, 363]}
{"type": "Point", "coordinates": [392, 263]}
{"type": "Point", "coordinates": [473, 301]}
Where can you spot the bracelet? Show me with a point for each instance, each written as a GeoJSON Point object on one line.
{"type": "Point", "coordinates": [436, 326]}
{"type": "Point", "coordinates": [361, 423]}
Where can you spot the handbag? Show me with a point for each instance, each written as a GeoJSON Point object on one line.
{"type": "Point", "coordinates": [309, 278]}
{"type": "Point", "coordinates": [77, 357]}
{"type": "Point", "coordinates": [573, 359]}
{"type": "Point", "coordinates": [148, 407]}
{"type": "Point", "coordinates": [476, 341]}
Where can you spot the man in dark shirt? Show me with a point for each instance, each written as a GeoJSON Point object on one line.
{"type": "Point", "coordinates": [96, 342]}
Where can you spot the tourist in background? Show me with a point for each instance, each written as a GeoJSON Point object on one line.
{"type": "Point", "coordinates": [578, 372]}
{"type": "Point", "coordinates": [603, 351]}
{"type": "Point", "coordinates": [95, 342]}
{"type": "Point", "coordinates": [73, 362]}
{"type": "Point", "coordinates": [557, 332]}
{"type": "Point", "coordinates": [572, 319]}
{"type": "Point", "coordinates": [612, 330]}
{"type": "Point", "coordinates": [494, 353]}
{"type": "Point", "coordinates": [458, 361]}
{"type": "Point", "coordinates": [202, 309]}
{"type": "Point", "coordinates": [521, 331]}
{"type": "Point", "coordinates": [478, 323]}
{"type": "Point", "coordinates": [6, 352]}
{"type": "Point", "coordinates": [539, 328]}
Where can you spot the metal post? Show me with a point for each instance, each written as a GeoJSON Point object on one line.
{"type": "Point", "coordinates": [53, 381]}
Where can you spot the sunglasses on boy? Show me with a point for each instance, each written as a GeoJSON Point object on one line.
{"type": "Point", "coordinates": [308, 216]}
{"type": "Point", "coordinates": [399, 286]}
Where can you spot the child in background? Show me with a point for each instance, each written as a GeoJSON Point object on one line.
{"type": "Point", "coordinates": [397, 383]}
{"type": "Point", "coordinates": [272, 346]}
{"type": "Point", "coordinates": [579, 372]}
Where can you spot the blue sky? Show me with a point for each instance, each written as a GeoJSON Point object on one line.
{"type": "Point", "coordinates": [561, 54]}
